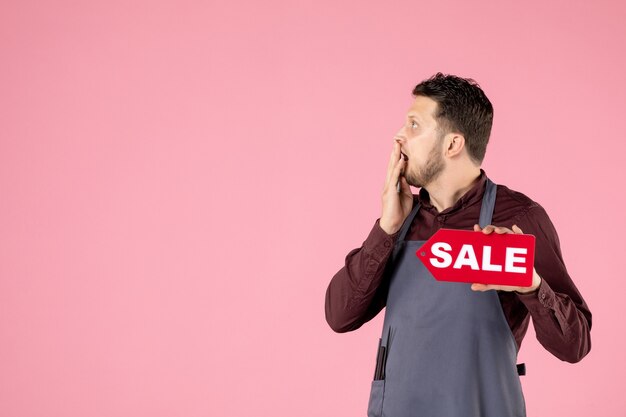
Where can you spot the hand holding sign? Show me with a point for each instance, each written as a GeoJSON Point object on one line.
{"type": "Point", "coordinates": [503, 261]}
{"type": "Point", "coordinates": [485, 287]}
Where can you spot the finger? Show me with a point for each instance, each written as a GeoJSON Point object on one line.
{"type": "Point", "coordinates": [395, 174]}
{"type": "Point", "coordinates": [393, 160]}
{"type": "Point", "coordinates": [477, 228]}
{"type": "Point", "coordinates": [502, 230]}
{"type": "Point", "coordinates": [487, 287]}
{"type": "Point", "coordinates": [480, 287]}
{"type": "Point", "coordinates": [516, 229]}
{"type": "Point", "coordinates": [404, 186]}
{"type": "Point", "coordinates": [488, 229]}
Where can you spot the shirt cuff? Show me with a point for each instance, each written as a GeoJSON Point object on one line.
{"type": "Point", "coordinates": [378, 243]}
{"type": "Point", "coordinates": [543, 297]}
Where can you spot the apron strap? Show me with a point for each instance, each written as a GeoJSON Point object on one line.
{"type": "Point", "coordinates": [489, 203]}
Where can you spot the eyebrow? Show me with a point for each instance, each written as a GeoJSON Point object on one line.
{"type": "Point", "coordinates": [414, 116]}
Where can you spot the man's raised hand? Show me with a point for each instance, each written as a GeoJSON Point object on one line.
{"type": "Point", "coordinates": [396, 206]}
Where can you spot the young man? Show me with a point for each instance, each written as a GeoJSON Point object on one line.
{"type": "Point", "coordinates": [450, 349]}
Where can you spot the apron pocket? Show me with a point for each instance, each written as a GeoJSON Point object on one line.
{"type": "Point", "coordinates": [375, 406]}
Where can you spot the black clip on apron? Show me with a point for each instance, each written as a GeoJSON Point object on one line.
{"type": "Point", "coordinates": [449, 351]}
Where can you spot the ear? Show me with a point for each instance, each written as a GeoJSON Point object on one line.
{"type": "Point", "coordinates": [455, 142]}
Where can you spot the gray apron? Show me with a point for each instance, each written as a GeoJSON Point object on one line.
{"type": "Point", "coordinates": [449, 350]}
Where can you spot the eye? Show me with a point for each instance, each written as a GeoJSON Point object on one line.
{"type": "Point", "coordinates": [413, 124]}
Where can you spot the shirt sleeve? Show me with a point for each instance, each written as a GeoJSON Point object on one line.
{"type": "Point", "coordinates": [358, 291]}
{"type": "Point", "coordinates": [561, 317]}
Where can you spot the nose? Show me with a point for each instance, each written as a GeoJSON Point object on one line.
{"type": "Point", "coordinates": [400, 136]}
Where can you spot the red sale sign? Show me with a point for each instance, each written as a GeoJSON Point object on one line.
{"type": "Point", "coordinates": [474, 257]}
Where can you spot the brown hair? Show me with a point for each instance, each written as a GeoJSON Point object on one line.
{"type": "Point", "coordinates": [462, 107]}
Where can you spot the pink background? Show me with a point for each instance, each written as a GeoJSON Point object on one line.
{"type": "Point", "coordinates": [180, 180]}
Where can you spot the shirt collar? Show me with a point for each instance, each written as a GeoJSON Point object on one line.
{"type": "Point", "coordinates": [471, 196]}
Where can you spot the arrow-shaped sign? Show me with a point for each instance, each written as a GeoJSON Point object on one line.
{"type": "Point", "coordinates": [476, 257]}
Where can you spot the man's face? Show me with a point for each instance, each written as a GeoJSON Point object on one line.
{"type": "Point", "coordinates": [422, 143]}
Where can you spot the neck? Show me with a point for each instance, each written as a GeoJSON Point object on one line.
{"type": "Point", "coordinates": [450, 186]}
